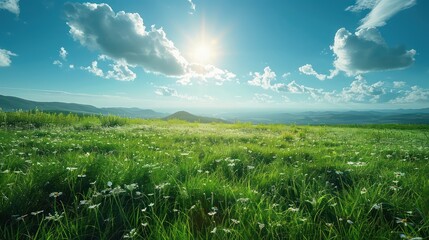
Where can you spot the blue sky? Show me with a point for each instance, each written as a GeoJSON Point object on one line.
{"type": "Point", "coordinates": [183, 54]}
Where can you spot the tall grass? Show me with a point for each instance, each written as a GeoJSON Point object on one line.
{"type": "Point", "coordinates": [83, 177]}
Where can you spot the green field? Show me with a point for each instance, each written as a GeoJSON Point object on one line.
{"type": "Point", "coordinates": [77, 177]}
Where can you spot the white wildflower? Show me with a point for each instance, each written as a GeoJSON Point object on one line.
{"type": "Point", "coordinates": [55, 194]}
{"type": "Point", "coordinates": [55, 217]}
{"type": "Point", "coordinates": [131, 187]}
{"type": "Point", "coordinates": [131, 234]}
{"type": "Point", "coordinates": [37, 212]}
{"type": "Point", "coordinates": [291, 209]}
{"type": "Point", "coordinates": [235, 221]}
{"type": "Point", "coordinates": [94, 206]}
{"type": "Point", "coordinates": [71, 169]}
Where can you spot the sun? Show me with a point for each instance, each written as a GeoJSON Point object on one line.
{"type": "Point", "coordinates": [203, 53]}
{"type": "Point", "coordinates": [203, 46]}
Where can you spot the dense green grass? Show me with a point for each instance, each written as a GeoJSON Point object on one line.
{"type": "Point", "coordinates": [76, 177]}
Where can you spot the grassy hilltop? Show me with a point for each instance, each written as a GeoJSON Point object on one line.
{"type": "Point", "coordinates": [93, 177]}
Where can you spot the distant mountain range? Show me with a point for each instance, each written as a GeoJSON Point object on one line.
{"type": "Point", "coordinates": [404, 116]}
{"type": "Point", "coordinates": [182, 115]}
{"type": "Point", "coordinates": [13, 104]}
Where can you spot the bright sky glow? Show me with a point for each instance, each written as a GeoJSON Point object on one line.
{"type": "Point", "coordinates": [182, 54]}
{"type": "Point", "coordinates": [203, 53]}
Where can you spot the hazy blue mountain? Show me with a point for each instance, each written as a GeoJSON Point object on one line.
{"type": "Point", "coordinates": [8, 103]}
{"type": "Point", "coordinates": [404, 116]}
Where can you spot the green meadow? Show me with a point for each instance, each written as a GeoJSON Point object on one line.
{"type": "Point", "coordinates": [89, 177]}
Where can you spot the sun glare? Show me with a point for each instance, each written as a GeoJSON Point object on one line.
{"type": "Point", "coordinates": [203, 53]}
{"type": "Point", "coordinates": [204, 47]}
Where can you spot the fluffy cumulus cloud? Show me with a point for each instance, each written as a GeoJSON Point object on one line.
{"type": "Point", "coordinates": [63, 53]}
{"type": "Point", "coordinates": [124, 39]}
{"type": "Point", "coordinates": [171, 92]}
{"type": "Point", "coordinates": [10, 5]}
{"type": "Point", "coordinates": [360, 91]}
{"type": "Point", "coordinates": [166, 91]}
{"type": "Point", "coordinates": [264, 80]}
{"type": "Point", "coordinates": [295, 88]}
{"type": "Point", "coordinates": [58, 63]}
{"type": "Point", "coordinates": [94, 69]}
{"type": "Point", "coordinates": [381, 11]}
{"type": "Point", "coordinates": [123, 36]}
{"type": "Point", "coordinates": [366, 51]}
{"type": "Point", "coordinates": [307, 69]}
{"type": "Point", "coordinates": [5, 55]}
{"type": "Point", "coordinates": [204, 73]}
{"type": "Point", "coordinates": [399, 84]}
{"type": "Point", "coordinates": [413, 95]}
{"type": "Point", "coordinates": [119, 69]}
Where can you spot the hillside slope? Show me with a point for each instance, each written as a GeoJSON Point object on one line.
{"type": "Point", "coordinates": [8, 103]}
{"type": "Point", "coordinates": [186, 116]}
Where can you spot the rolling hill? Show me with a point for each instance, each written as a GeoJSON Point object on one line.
{"type": "Point", "coordinates": [396, 116]}
{"type": "Point", "coordinates": [185, 116]}
{"type": "Point", "coordinates": [8, 103]}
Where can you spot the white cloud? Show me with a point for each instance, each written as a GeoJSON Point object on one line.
{"type": "Point", "coordinates": [58, 63]}
{"type": "Point", "coordinates": [293, 87]}
{"type": "Point", "coordinates": [123, 36]}
{"type": "Point", "coordinates": [94, 69]}
{"type": "Point", "coordinates": [193, 7]}
{"type": "Point", "coordinates": [413, 95]}
{"type": "Point", "coordinates": [71, 66]}
{"type": "Point", "coordinates": [361, 91]}
{"type": "Point", "coordinates": [166, 91]}
{"type": "Point", "coordinates": [365, 51]}
{"type": "Point", "coordinates": [171, 92]}
{"type": "Point", "coordinates": [398, 84]}
{"type": "Point", "coordinates": [285, 75]}
{"type": "Point", "coordinates": [119, 70]}
{"type": "Point", "coordinates": [262, 98]}
{"type": "Point", "coordinates": [264, 80]}
{"type": "Point", "coordinates": [362, 5]}
{"type": "Point", "coordinates": [5, 57]}
{"type": "Point", "coordinates": [10, 5]}
{"type": "Point", "coordinates": [307, 69]}
{"type": "Point", "coordinates": [381, 11]}
{"type": "Point", "coordinates": [204, 73]}
{"type": "Point", "coordinates": [63, 53]}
